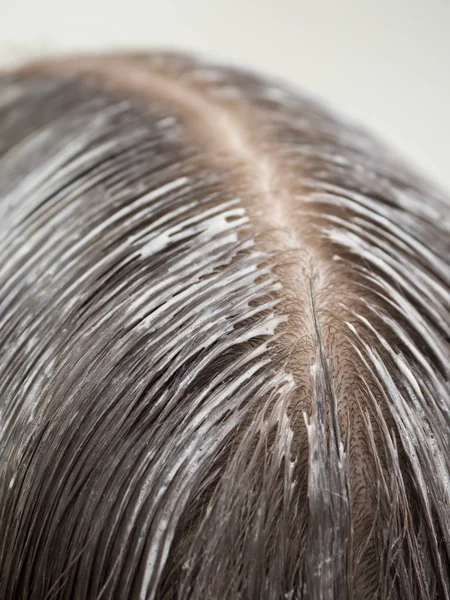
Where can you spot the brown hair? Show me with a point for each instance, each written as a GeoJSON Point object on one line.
{"type": "Point", "coordinates": [224, 339]}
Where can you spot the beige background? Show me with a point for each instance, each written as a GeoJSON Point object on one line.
{"type": "Point", "coordinates": [385, 63]}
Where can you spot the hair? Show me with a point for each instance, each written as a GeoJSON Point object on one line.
{"type": "Point", "coordinates": [224, 343]}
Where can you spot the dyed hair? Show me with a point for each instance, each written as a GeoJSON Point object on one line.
{"type": "Point", "coordinates": [224, 340]}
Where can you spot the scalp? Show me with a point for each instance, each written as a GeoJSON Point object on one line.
{"type": "Point", "coordinates": [224, 342]}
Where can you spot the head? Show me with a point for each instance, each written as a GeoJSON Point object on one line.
{"type": "Point", "coordinates": [224, 341]}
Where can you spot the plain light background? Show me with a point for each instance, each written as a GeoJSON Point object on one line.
{"type": "Point", "coordinates": [384, 63]}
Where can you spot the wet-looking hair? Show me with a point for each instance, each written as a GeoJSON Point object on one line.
{"type": "Point", "coordinates": [224, 343]}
